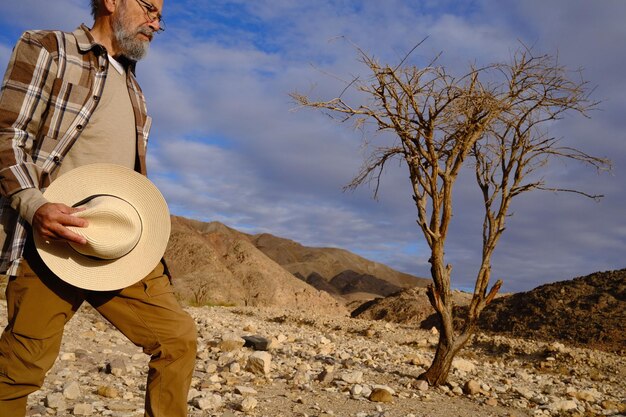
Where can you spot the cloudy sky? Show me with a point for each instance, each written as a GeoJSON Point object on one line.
{"type": "Point", "coordinates": [228, 143]}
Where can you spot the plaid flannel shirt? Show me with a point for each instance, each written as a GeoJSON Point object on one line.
{"type": "Point", "coordinates": [50, 90]}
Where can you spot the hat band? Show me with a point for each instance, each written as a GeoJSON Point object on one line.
{"type": "Point", "coordinates": [114, 227]}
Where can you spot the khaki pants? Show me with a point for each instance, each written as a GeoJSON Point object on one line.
{"type": "Point", "coordinates": [39, 304]}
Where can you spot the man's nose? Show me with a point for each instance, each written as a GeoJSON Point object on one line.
{"type": "Point", "coordinates": [155, 25]}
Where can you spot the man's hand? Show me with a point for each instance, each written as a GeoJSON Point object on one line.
{"type": "Point", "coordinates": [51, 221]}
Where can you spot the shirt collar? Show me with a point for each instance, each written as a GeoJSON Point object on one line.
{"type": "Point", "coordinates": [86, 42]}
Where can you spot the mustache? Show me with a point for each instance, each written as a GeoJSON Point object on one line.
{"type": "Point", "coordinates": [146, 31]}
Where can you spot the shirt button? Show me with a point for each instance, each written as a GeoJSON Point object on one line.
{"type": "Point", "coordinates": [96, 98]}
{"type": "Point", "coordinates": [79, 127]}
{"type": "Point", "coordinates": [56, 159]}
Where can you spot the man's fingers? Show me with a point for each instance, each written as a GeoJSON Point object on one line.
{"type": "Point", "coordinates": [52, 219]}
{"type": "Point", "coordinates": [66, 234]}
{"type": "Point", "coordinates": [69, 220]}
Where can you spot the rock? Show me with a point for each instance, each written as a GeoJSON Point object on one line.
{"type": "Point", "coordinates": [381, 395]}
{"type": "Point", "coordinates": [524, 392]}
{"type": "Point", "coordinates": [259, 342]}
{"type": "Point", "coordinates": [472, 387]}
{"type": "Point", "coordinates": [556, 347]}
{"type": "Point", "coordinates": [83, 409]}
{"type": "Point", "coordinates": [209, 402]}
{"type": "Point", "coordinates": [106, 391]}
{"type": "Point", "coordinates": [421, 385]}
{"type": "Point", "coordinates": [563, 405]}
{"type": "Point", "coordinates": [71, 391]}
{"type": "Point", "coordinates": [55, 400]}
{"type": "Point", "coordinates": [248, 404]}
{"type": "Point", "coordinates": [417, 360]}
{"type": "Point", "coordinates": [588, 396]}
{"type": "Point", "coordinates": [234, 367]}
{"type": "Point", "coordinates": [117, 367]}
{"type": "Point", "coordinates": [67, 356]}
{"type": "Point", "coordinates": [121, 406]}
{"type": "Point", "coordinates": [245, 391]}
{"type": "Point", "coordinates": [259, 363]}
{"type": "Point", "coordinates": [463, 365]}
{"type": "Point", "coordinates": [620, 407]}
{"type": "Point", "coordinates": [326, 376]}
{"type": "Point", "coordinates": [230, 342]}
{"type": "Point", "coordinates": [356, 390]}
{"type": "Point", "coordinates": [491, 402]}
{"type": "Point", "coordinates": [354, 377]}
{"type": "Point", "coordinates": [193, 393]}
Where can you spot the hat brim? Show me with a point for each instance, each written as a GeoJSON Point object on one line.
{"type": "Point", "coordinates": [107, 275]}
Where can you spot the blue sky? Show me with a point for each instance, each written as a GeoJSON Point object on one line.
{"type": "Point", "coordinates": [228, 144]}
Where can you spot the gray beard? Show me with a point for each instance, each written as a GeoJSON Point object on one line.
{"type": "Point", "coordinates": [127, 42]}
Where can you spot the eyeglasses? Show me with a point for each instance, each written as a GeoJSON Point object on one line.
{"type": "Point", "coordinates": [152, 13]}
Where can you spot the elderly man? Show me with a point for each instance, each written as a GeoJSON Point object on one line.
{"type": "Point", "coordinates": [68, 100]}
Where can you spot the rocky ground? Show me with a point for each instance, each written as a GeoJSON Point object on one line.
{"type": "Point", "coordinates": [304, 364]}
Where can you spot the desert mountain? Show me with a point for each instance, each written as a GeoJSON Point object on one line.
{"type": "Point", "coordinates": [410, 306]}
{"type": "Point", "coordinates": [349, 274]}
{"type": "Point", "coordinates": [213, 264]}
{"type": "Point", "coordinates": [589, 311]}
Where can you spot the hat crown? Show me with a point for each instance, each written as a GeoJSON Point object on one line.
{"type": "Point", "coordinates": [114, 227]}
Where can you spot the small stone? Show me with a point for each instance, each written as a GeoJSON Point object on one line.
{"type": "Point", "coordinates": [121, 406]}
{"type": "Point", "coordinates": [68, 356]}
{"type": "Point", "coordinates": [259, 363]}
{"type": "Point", "coordinates": [588, 396]}
{"type": "Point", "coordinates": [230, 342]}
{"type": "Point", "coordinates": [563, 405]}
{"type": "Point", "coordinates": [417, 360]}
{"type": "Point", "coordinates": [234, 367]}
{"type": "Point", "coordinates": [491, 402]}
{"type": "Point", "coordinates": [117, 367]}
{"type": "Point", "coordinates": [326, 376]}
{"type": "Point", "coordinates": [463, 365]}
{"type": "Point", "coordinates": [248, 404]}
{"type": "Point", "coordinates": [245, 391]}
{"type": "Point", "coordinates": [356, 390]}
{"type": "Point", "coordinates": [381, 395]}
{"type": "Point", "coordinates": [609, 405]}
{"type": "Point", "coordinates": [56, 401]}
{"type": "Point", "coordinates": [355, 377]}
{"type": "Point", "coordinates": [524, 392]}
{"type": "Point", "coordinates": [210, 402]}
{"type": "Point", "coordinates": [71, 391]}
{"type": "Point", "coordinates": [108, 392]}
{"type": "Point", "coordinates": [421, 385]}
{"type": "Point", "coordinates": [472, 387]}
{"type": "Point", "coordinates": [260, 342]}
{"type": "Point", "coordinates": [83, 409]}
{"type": "Point", "coordinates": [371, 332]}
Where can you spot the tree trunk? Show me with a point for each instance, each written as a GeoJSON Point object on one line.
{"type": "Point", "coordinates": [449, 345]}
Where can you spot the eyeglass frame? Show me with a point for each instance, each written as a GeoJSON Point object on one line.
{"type": "Point", "coordinates": [152, 13]}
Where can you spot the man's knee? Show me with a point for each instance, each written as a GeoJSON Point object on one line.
{"type": "Point", "coordinates": [181, 341]}
{"type": "Point", "coordinates": [25, 361]}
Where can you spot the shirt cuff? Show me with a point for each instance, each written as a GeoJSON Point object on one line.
{"type": "Point", "coordinates": [27, 202]}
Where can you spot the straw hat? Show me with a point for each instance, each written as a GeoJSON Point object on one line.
{"type": "Point", "coordinates": [129, 227]}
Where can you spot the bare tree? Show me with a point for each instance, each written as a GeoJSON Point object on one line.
{"type": "Point", "coordinates": [491, 119]}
